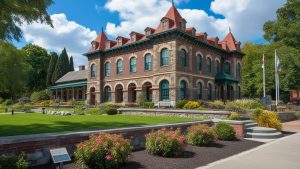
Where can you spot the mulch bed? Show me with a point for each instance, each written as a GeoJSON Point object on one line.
{"type": "Point", "coordinates": [193, 157]}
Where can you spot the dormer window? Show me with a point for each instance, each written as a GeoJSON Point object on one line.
{"type": "Point", "coordinates": [120, 42]}
{"type": "Point", "coordinates": [165, 24]}
{"type": "Point", "coordinates": [107, 45]}
{"type": "Point", "coordinates": [133, 37]}
{"type": "Point", "coordinates": [183, 24]}
{"type": "Point", "coordinates": [95, 45]}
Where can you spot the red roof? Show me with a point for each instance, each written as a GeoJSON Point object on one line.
{"type": "Point", "coordinates": [174, 16]}
{"type": "Point", "coordinates": [231, 43]}
{"type": "Point", "coordinates": [101, 39]}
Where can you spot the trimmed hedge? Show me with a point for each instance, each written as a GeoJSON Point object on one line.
{"type": "Point", "coordinates": [225, 131]}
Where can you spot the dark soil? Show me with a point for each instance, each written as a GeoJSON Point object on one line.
{"type": "Point", "coordinates": [193, 156]}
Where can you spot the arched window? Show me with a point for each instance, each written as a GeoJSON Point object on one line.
{"type": "Point", "coordinates": [107, 94]}
{"type": "Point", "coordinates": [148, 62]}
{"type": "Point", "coordinates": [93, 71]}
{"type": "Point", "coordinates": [227, 68]}
{"type": "Point", "coordinates": [119, 66]}
{"type": "Point", "coordinates": [164, 90]}
{"type": "Point", "coordinates": [183, 90]}
{"type": "Point", "coordinates": [238, 70]}
{"type": "Point", "coordinates": [209, 92]}
{"type": "Point", "coordinates": [199, 90]}
{"type": "Point", "coordinates": [199, 62]}
{"type": "Point", "coordinates": [208, 64]}
{"type": "Point", "coordinates": [183, 58]}
{"type": "Point", "coordinates": [133, 64]}
{"type": "Point", "coordinates": [164, 57]}
{"type": "Point", "coordinates": [107, 69]}
{"type": "Point", "coordinates": [217, 67]}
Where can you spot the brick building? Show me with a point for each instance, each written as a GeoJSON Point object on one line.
{"type": "Point", "coordinates": [171, 62]}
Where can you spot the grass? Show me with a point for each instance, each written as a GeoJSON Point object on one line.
{"type": "Point", "coordinates": [22, 124]}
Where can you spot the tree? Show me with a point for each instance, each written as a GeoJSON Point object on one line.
{"type": "Point", "coordinates": [71, 64]}
{"type": "Point", "coordinates": [62, 66]}
{"type": "Point", "coordinates": [38, 60]}
{"type": "Point", "coordinates": [51, 68]}
{"type": "Point", "coordinates": [12, 70]}
{"type": "Point", "coordinates": [287, 25]}
{"type": "Point", "coordinates": [15, 12]}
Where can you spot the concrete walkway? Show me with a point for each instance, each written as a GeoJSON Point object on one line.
{"type": "Point", "coordinates": [283, 153]}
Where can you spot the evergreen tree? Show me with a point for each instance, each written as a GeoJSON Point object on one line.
{"type": "Point", "coordinates": [51, 68]}
{"type": "Point", "coordinates": [71, 64]}
{"type": "Point", "coordinates": [62, 66]}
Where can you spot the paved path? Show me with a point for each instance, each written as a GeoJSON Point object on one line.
{"type": "Point", "coordinates": [283, 153]}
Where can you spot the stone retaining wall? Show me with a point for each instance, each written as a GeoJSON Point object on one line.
{"type": "Point", "coordinates": [207, 114]}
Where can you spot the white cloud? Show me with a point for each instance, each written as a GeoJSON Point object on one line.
{"type": "Point", "coordinates": [245, 17]}
{"type": "Point", "coordinates": [69, 34]}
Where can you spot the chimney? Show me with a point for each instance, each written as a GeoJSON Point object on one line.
{"type": "Point", "coordinates": [81, 67]}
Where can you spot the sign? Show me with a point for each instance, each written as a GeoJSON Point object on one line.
{"type": "Point", "coordinates": [60, 155]}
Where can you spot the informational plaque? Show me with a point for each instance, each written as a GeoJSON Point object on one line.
{"type": "Point", "coordinates": [60, 155]}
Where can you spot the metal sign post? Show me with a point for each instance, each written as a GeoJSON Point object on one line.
{"type": "Point", "coordinates": [59, 156]}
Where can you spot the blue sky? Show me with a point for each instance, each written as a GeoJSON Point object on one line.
{"type": "Point", "coordinates": [77, 22]}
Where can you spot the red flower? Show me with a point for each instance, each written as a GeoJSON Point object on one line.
{"type": "Point", "coordinates": [108, 157]}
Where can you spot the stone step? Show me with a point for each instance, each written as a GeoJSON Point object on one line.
{"type": "Point", "coordinates": [250, 125]}
{"type": "Point", "coordinates": [261, 130]}
{"type": "Point", "coordinates": [263, 135]}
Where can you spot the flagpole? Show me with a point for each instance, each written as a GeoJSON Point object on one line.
{"type": "Point", "coordinates": [264, 76]}
{"type": "Point", "coordinates": [276, 79]}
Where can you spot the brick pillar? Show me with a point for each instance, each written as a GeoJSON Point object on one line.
{"type": "Point", "coordinates": [125, 96]}
{"type": "Point", "coordinates": [155, 95]}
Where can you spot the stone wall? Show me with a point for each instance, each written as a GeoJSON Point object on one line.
{"type": "Point", "coordinates": [207, 114]}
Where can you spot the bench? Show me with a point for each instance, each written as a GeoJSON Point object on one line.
{"type": "Point", "coordinates": [165, 104]}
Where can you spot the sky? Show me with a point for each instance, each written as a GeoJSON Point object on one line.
{"type": "Point", "coordinates": [77, 22]}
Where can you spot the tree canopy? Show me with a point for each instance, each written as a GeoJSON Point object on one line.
{"type": "Point", "coordinates": [15, 12]}
{"type": "Point", "coordinates": [71, 64]}
{"type": "Point", "coordinates": [51, 68]}
{"type": "Point", "coordinates": [62, 66]}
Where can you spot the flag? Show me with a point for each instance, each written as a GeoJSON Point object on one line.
{"type": "Point", "coordinates": [277, 63]}
{"type": "Point", "coordinates": [263, 62]}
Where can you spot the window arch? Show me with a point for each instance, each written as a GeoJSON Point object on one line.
{"type": "Point", "coordinates": [107, 94]}
{"type": "Point", "coordinates": [148, 61]}
{"type": "Point", "coordinates": [164, 57]}
{"type": "Point", "coordinates": [199, 62]}
{"type": "Point", "coordinates": [238, 70]}
{"type": "Point", "coordinates": [209, 92]}
{"type": "Point", "coordinates": [119, 66]}
{"type": "Point", "coordinates": [107, 69]}
{"type": "Point", "coordinates": [227, 67]}
{"type": "Point", "coordinates": [133, 64]}
{"type": "Point", "coordinates": [183, 58]}
{"type": "Point", "coordinates": [164, 90]}
{"type": "Point", "coordinates": [199, 90]}
{"type": "Point", "coordinates": [93, 70]}
{"type": "Point", "coordinates": [208, 64]}
{"type": "Point", "coordinates": [183, 90]}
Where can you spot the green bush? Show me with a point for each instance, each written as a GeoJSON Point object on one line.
{"type": "Point", "coordinates": [1, 100]}
{"type": "Point", "coordinates": [7, 102]}
{"type": "Point", "coordinates": [14, 162]}
{"type": "Point", "coordinates": [191, 105]}
{"type": "Point", "coordinates": [201, 135]}
{"type": "Point", "coordinates": [147, 105]}
{"type": "Point", "coordinates": [104, 151]}
{"type": "Point", "coordinates": [256, 113]}
{"type": "Point", "coordinates": [180, 104]}
{"type": "Point", "coordinates": [225, 131]}
{"type": "Point", "coordinates": [41, 95]}
{"type": "Point", "coordinates": [142, 98]}
{"type": "Point", "coordinates": [110, 111]}
{"type": "Point", "coordinates": [233, 116]}
{"type": "Point", "coordinates": [245, 104]}
{"type": "Point", "coordinates": [93, 111]}
{"type": "Point", "coordinates": [165, 143]}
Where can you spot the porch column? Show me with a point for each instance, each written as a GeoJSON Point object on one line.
{"type": "Point", "coordinates": [56, 94]}
{"type": "Point", "coordinates": [73, 94]}
{"type": "Point", "coordinates": [61, 94]}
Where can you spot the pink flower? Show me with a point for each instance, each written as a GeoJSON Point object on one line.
{"type": "Point", "coordinates": [122, 149]}
{"type": "Point", "coordinates": [108, 157]}
{"type": "Point", "coordinates": [181, 139]}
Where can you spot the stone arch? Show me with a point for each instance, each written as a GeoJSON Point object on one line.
{"type": "Point", "coordinates": [107, 61]}
{"type": "Point", "coordinates": [119, 83]}
{"type": "Point", "coordinates": [148, 52]}
{"type": "Point", "coordinates": [167, 46]}
{"type": "Point", "coordinates": [185, 79]}
{"type": "Point", "coordinates": [183, 47]}
{"type": "Point", "coordinates": [133, 55]}
{"type": "Point", "coordinates": [163, 78]}
{"type": "Point", "coordinates": [118, 58]}
{"type": "Point", "coordinates": [147, 80]}
{"type": "Point", "coordinates": [109, 85]}
{"type": "Point", "coordinates": [130, 82]}
{"type": "Point", "coordinates": [209, 56]}
{"type": "Point", "coordinates": [199, 53]}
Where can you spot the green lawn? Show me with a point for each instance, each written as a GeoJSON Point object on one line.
{"type": "Point", "coordinates": [21, 124]}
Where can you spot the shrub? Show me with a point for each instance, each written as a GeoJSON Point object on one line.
{"type": "Point", "coordinates": [14, 162]}
{"type": "Point", "coordinates": [142, 98]}
{"type": "Point", "coordinates": [147, 105]}
{"type": "Point", "coordinates": [180, 104]}
{"type": "Point", "coordinates": [8, 102]}
{"type": "Point", "coordinates": [165, 143]}
{"type": "Point", "coordinates": [93, 111]}
{"type": "Point", "coordinates": [233, 116]}
{"type": "Point", "coordinates": [213, 105]}
{"type": "Point", "coordinates": [44, 103]}
{"type": "Point", "coordinates": [269, 119]}
{"type": "Point", "coordinates": [245, 104]}
{"type": "Point", "coordinates": [1, 100]}
{"type": "Point", "coordinates": [191, 105]}
{"type": "Point", "coordinates": [110, 111]}
{"type": "Point", "coordinates": [224, 131]}
{"type": "Point", "coordinates": [103, 151]}
{"type": "Point", "coordinates": [256, 113]}
{"type": "Point", "coordinates": [201, 135]}
{"type": "Point", "coordinates": [41, 95]}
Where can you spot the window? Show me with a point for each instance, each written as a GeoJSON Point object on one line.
{"type": "Point", "coordinates": [165, 25]}
{"type": "Point", "coordinates": [183, 88]}
{"type": "Point", "coordinates": [133, 64]}
{"type": "Point", "coordinates": [148, 62]}
{"type": "Point", "coordinates": [208, 64]}
{"type": "Point", "coordinates": [209, 92]}
{"type": "Point", "coordinates": [107, 69]}
{"type": "Point", "coordinates": [227, 68]}
{"type": "Point", "coordinates": [164, 57]}
{"type": "Point", "coordinates": [164, 90]}
{"type": "Point", "coordinates": [199, 62]}
{"type": "Point", "coordinates": [199, 90]}
{"type": "Point", "coordinates": [238, 70]}
{"type": "Point", "coordinates": [119, 66]}
{"type": "Point", "coordinates": [217, 67]}
{"type": "Point", "coordinates": [107, 94]}
{"type": "Point", "coordinates": [93, 71]}
{"type": "Point", "coordinates": [183, 58]}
